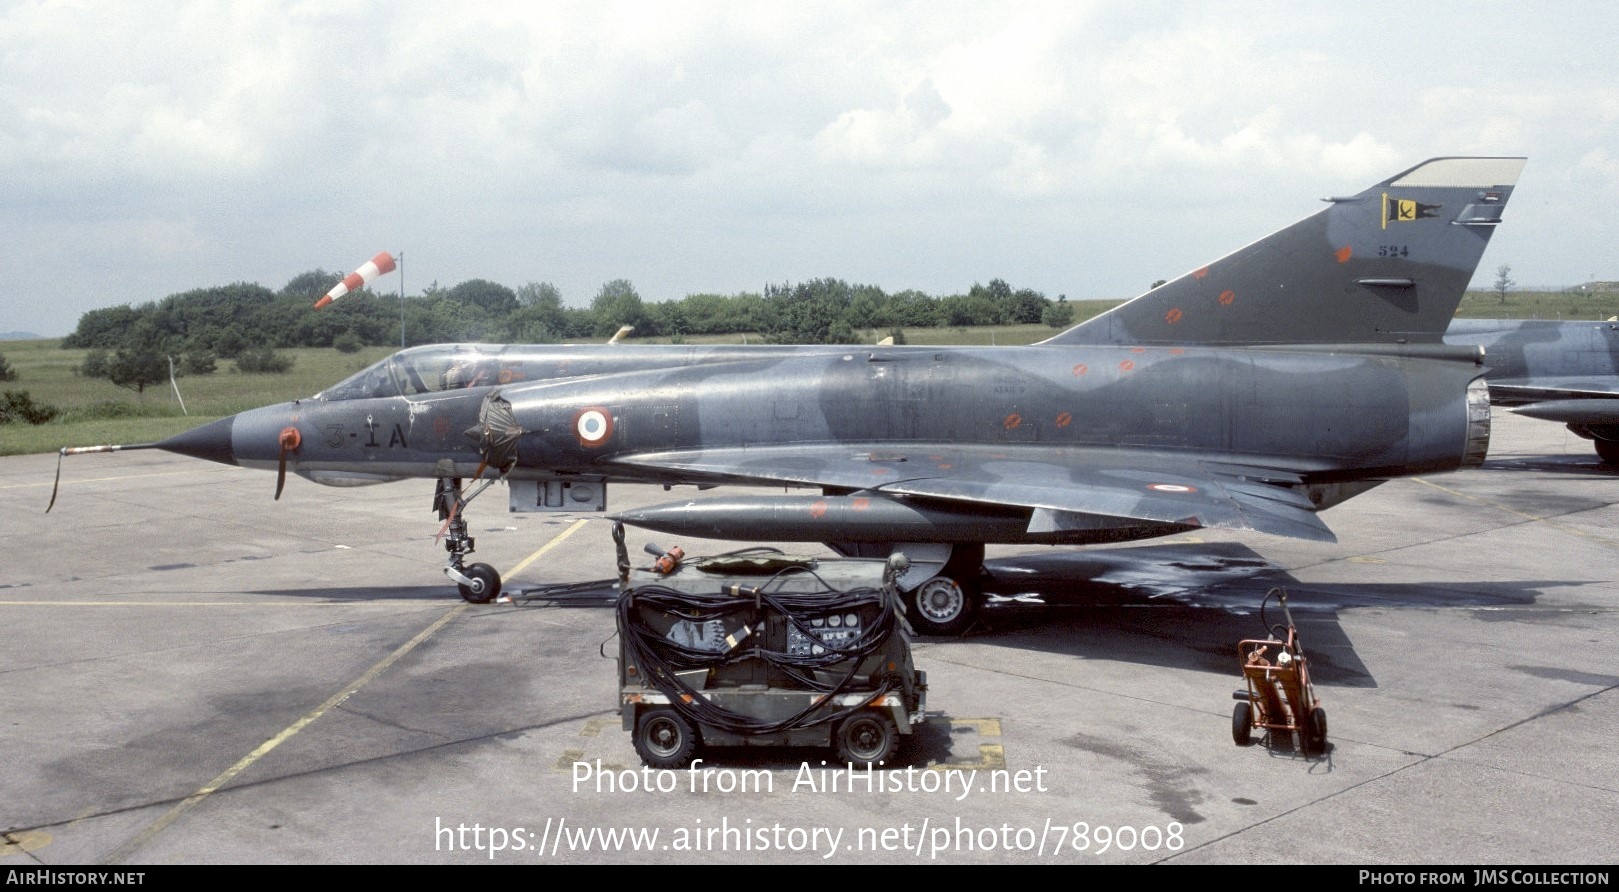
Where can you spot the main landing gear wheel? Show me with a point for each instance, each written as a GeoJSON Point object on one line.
{"type": "Point", "coordinates": [485, 585]}
{"type": "Point", "coordinates": [1608, 451]}
{"type": "Point", "coordinates": [941, 606]}
{"type": "Point", "coordinates": [866, 739]}
{"type": "Point", "coordinates": [1242, 724]}
{"type": "Point", "coordinates": [664, 739]}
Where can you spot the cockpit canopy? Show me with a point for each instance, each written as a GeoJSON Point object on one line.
{"type": "Point", "coordinates": [429, 369]}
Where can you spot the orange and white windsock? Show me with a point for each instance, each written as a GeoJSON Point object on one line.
{"type": "Point", "coordinates": [376, 266]}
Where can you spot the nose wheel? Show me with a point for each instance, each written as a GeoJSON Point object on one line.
{"type": "Point", "coordinates": [482, 583]}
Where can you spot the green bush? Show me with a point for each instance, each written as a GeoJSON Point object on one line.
{"type": "Point", "coordinates": [347, 343]}
{"type": "Point", "coordinates": [19, 406]}
{"type": "Point", "coordinates": [200, 363]}
{"type": "Point", "coordinates": [263, 359]}
{"type": "Point", "coordinates": [110, 409]}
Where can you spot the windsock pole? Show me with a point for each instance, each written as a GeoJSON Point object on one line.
{"type": "Point", "coordinates": [376, 266]}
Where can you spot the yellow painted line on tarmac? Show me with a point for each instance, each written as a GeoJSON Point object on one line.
{"type": "Point", "coordinates": [1524, 514]}
{"type": "Point", "coordinates": [557, 540]}
{"type": "Point", "coordinates": [208, 789]}
{"type": "Point", "coordinates": [121, 477]}
{"type": "Point", "coordinates": [253, 604]}
{"type": "Point", "coordinates": [521, 566]}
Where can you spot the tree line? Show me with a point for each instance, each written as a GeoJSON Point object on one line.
{"type": "Point", "coordinates": [134, 345]}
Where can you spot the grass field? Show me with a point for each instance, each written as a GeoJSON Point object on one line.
{"type": "Point", "coordinates": [94, 411]}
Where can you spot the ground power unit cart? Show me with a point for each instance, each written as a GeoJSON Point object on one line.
{"type": "Point", "coordinates": [760, 648]}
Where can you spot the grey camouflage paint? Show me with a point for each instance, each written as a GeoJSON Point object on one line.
{"type": "Point", "coordinates": [1249, 394]}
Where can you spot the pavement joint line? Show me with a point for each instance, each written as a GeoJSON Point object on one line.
{"type": "Point", "coordinates": [1515, 512]}
{"type": "Point", "coordinates": [173, 814]}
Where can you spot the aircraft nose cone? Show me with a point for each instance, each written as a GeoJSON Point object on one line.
{"type": "Point", "coordinates": [211, 441]}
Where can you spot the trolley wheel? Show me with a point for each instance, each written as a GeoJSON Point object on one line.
{"type": "Point", "coordinates": [1242, 723]}
{"type": "Point", "coordinates": [485, 584]}
{"type": "Point", "coordinates": [1314, 736]}
{"type": "Point", "coordinates": [866, 739]}
{"type": "Point", "coordinates": [664, 739]}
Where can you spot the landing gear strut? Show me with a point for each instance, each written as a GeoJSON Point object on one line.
{"type": "Point", "coordinates": [478, 583]}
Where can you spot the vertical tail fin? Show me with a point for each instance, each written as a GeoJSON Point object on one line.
{"type": "Point", "coordinates": [1388, 265]}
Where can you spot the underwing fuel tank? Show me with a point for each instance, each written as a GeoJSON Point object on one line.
{"type": "Point", "coordinates": [866, 518]}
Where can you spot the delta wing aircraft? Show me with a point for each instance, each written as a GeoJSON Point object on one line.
{"type": "Point", "coordinates": [1248, 394]}
{"type": "Point", "coordinates": [1558, 371]}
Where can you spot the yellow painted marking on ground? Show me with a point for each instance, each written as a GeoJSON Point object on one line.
{"type": "Point", "coordinates": [566, 760]}
{"type": "Point", "coordinates": [1524, 514]}
{"type": "Point", "coordinates": [523, 565]}
{"type": "Point", "coordinates": [119, 477]}
{"type": "Point", "coordinates": [984, 727]}
{"type": "Point", "coordinates": [22, 842]}
{"type": "Point", "coordinates": [593, 728]}
{"type": "Point", "coordinates": [185, 805]}
{"type": "Point", "coordinates": [990, 756]}
{"type": "Point", "coordinates": [254, 604]}
{"type": "Point", "coordinates": [1364, 559]}
{"type": "Point", "coordinates": [286, 734]}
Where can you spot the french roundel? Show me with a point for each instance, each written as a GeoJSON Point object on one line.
{"type": "Point", "coordinates": [593, 426]}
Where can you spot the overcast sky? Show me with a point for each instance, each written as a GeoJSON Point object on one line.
{"type": "Point", "coordinates": [1074, 148]}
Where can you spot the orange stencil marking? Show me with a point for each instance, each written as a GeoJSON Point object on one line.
{"type": "Point", "coordinates": [1012, 421]}
{"type": "Point", "coordinates": [1344, 253]}
{"type": "Point", "coordinates": [1200, 273]}
{"type": "Point", "coordinates": [1226, 297]}
{"type": "Point", "coordinates": [1064, 418]}
{"type": "Point", "coordinates": [1080, 370]}
{"type": "Point", "coordinates": [818, 510]}
{"type": "Point", "coordinates": [1173, 316]}
{"type": "Point", "coordinates": [1126, 366]}
{"type": "Point", "coordinates": [861, 504]}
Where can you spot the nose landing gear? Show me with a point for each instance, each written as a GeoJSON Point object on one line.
{"type": "Point", "coordinates": [478, 583]}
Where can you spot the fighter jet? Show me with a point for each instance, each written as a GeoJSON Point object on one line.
{"type": "Point", "coordinates": [1248, 394]}
{"type": "Point", "coordinates": [1558, 371]}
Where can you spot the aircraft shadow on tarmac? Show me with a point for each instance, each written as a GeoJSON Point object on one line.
{"type": "Point", "coordinates": [1577, 465]}
{"type": "Point", "coordinates": [1187, 606]}
{"type": "Point", "coordinates": [362, 593]}
{"type": "Point", "coordinates": [1182, 605]}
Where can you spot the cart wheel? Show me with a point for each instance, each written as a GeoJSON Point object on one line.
{"type": "Point", "coordinates": [867, 739]}
{"type": "Point", "coordinates": [664, 739]}
{"type": "Point", "coordinates": [1314, 737]}
{"type": "Point", "coordinates": [1242, 723]}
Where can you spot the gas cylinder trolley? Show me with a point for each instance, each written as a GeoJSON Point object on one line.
{"type": "Point", "coordinates": [1279, 697]}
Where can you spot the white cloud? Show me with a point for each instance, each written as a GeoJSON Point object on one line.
{"type": "Point", "coordinates": [566, 141]}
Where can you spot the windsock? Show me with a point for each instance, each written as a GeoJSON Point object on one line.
{"type": "Point", "coordinates": [376, 266]}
